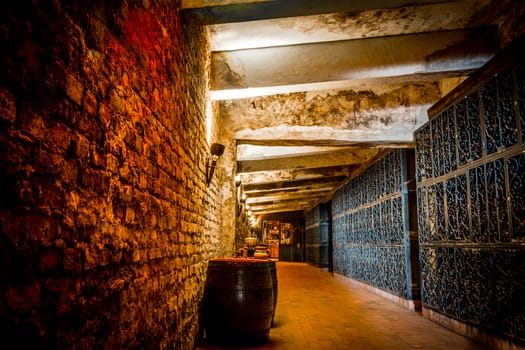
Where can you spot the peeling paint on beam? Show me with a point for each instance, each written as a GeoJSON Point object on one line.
{"type": "Point", "coordinates": [335, 85]}
{"type": "Point", "coordinates": [251, 152]}
{"type": "Point", "coordinates": [192, 4]}
{"type": "Point", "coordinates": [385, 115]}
{"type": "Point", "coordinates": [354, 59]}
{"type": "Point", "coordinates": [258, 201]}
{"type": "Point", "coordinates": [283, 197]}
{"type": "Point", "coordinates": [317, 135]}
{"type": "Point", "coordinates": [264, 212]}
{"type": "Point", "coordinates": [326, 143]}
{"type": "Point", "coordinates": [216, 12]}
{"type": "Point", "coordinates": [298, 205]}
{"type": "Point", "coordinates": [287, 184]}
{"type": "Point", "coordinates": [345, 26]}
{"type": "Point", "coordinates": [322, 188]}
{"type": "Point", "coordinates": [264, 177]}
{"type": "Point", "coordinates": [328, 159]}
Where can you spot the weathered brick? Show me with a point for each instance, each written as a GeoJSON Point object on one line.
{"type": "Point", "coordinates": [7, 105]}
{"type": "Point", "coordinates": [90, 103]}
{"type": "Point", "coordinates": [103, 158]}
{"type": "Point", "coordinates": [73, 260]}
{"type": "Point", "coordinates": [97, 180]}
{"type": "Point", "coordinates": [79, 147]}
{"type": "Point", "coordinates": [56, 74]}
{"type": "Point", "coordinates": [49, 260]}
{"type": "Point", "coordinates": [24, 298]}
{"type": "Point", "coordinates": [74, 88]}
{"type": "Point", "coordinates": [58, 137]}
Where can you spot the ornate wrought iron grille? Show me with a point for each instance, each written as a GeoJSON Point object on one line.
{"type": "Point", "coordinates": [369, 228]}
{"type": "Point", "coordinates": [470, 175]}
{"type": "Point", "coordinates": [317, 237]}
{"type": "Point", "coordinates": [312, 236]}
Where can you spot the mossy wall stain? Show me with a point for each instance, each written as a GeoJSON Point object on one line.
{"type": "Point", "coordinates": [345, 109]}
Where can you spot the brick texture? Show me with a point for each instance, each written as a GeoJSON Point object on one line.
{"type": "Point", "coordinates": [105, 219]}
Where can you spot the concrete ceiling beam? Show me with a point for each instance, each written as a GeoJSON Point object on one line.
{"type": "Point", "coordinates": [265, 196]}
{"type": "Point", "coordinates": [225, 11]}
{"type": "Point", "coordinates": [295, 67]}
{"type": "Point", "coordinates": [253, 152]}
{"type": "Point", "coordinates": [345, 25]}
{"type": "Point", "coordinates": [288, 206]}
{"type": "Point", "coordinates": [294, 135]}
{"type": "Point", "coordinates": [285, 210]}
{"type": "Point", "coordinates": [270, 177]}
{"type": "Point", "coordinates": [353, 59]}
{"type": "Point", "coordinates": [405, 143]}
{"type": "Point", "coordinates": [326, 159]}
{"type": "Point", "coordinates": [259, 201]}
{"type": "Point", "coordinates": [389, 108]}
{"type": "Point", "coordinates": [283, 185]}
{"type": "Point", "coordinates": [336, 85]}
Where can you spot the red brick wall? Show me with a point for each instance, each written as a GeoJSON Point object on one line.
{"type": "Point", "coordinates": [105, 220]}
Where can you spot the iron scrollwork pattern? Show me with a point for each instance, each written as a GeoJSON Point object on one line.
{"type": "Point", "coordinates": [423, 156]}
{"type": "Point", "coordinates": [468, 129]}
{"type": "Point", "coordinates": [516, 171]}
{"type": "Point", "coordinates": [457, 228]}
{"type": "Point", "coordinates": [422, 218]}
{"type": "Point", "coordinates": [501, 130]}
{"type": "Point", "coordinates": [449, 141]}
{"type": "Point", "coordinates": [478, 205]}
{"type": "Point", "coordinates": [312, 236]}
{"type": "Point", "coordinates": [471, 211]}
{"type": "Point", "coordinates": [437, 146]}
{"type": "Point", "coordinates": [369, 231]}
{"type": "Point", "coordinates": [520, 78]}
{"type": "Point", "coordinates": [498, 225]}
{"type": "Point", "coordinates": [505, 112]}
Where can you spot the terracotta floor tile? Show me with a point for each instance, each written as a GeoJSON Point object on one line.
{"type": "Point", "coordinates": [317, 311]}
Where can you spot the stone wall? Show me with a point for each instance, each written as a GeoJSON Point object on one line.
{"type": "Point", "coordinates": [243, 227]}
{"type": "Point", "coordinates": [471, 192]}
{"type": "Point", "coordinates": [106, 224]}
{"type": "Point", "coordinates": [374, 240]}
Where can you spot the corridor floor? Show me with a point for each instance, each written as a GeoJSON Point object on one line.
{"type": "Point", "coordinates": [318, 311]}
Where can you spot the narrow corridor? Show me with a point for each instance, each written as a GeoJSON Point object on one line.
{"type": "Point", "coordinates": [317, 310]}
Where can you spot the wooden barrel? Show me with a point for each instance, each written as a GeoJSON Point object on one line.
{"type": "Point", "coordinates": [238, 302]}
{"type": "Point", "coordinates": [273, 274]}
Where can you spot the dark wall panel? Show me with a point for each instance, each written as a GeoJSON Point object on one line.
{"type": "Point", "coordinates": [317, 236]}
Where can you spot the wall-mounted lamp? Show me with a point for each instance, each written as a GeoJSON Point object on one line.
{"type": "Point", "coordinates": [216, 151]}
{"type": "Point", "coordinates": [237, 180]}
